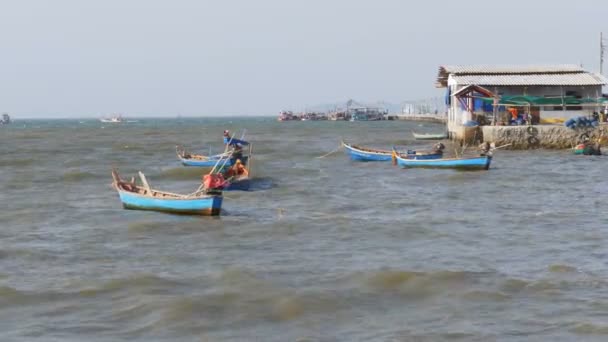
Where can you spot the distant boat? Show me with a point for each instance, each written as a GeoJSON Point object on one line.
{"type": "Point", "coordinates": [366, 114]}
{"type": "Point", "coordinates": [429, 136]}
{"type": "Point", "coordinates": [142, 197]}
{"type": "Point", "coordinates": [6, 119]}
{"type": "Point", "coordinates": [358, 153]}
{"type": "Point", "coordinates": [114, 119]}
{"type": "Point", "coordinates": [475, 163]}
{"type": "Point", "coordinates": [287, 116]}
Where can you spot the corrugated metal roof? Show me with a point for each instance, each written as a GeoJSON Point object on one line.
{"type": "Point", "coordinates": [511, 69]}
{"type": "Point", "coordinates": [574, 79]}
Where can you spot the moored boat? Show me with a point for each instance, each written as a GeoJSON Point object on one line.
{"type": "Point", "coordinates": [142, 197]}
{"type": "Point", "coordinates": [474, 163]}
{"type": "Point", "coordinates": [588, 149]}
{"type": "Point", "coordinates": [238, 177]}
{"type": "Point", "coordinates": [358, 153]}
{"type": "Point", "coordinates": [429, 136]}
{"type": "Point", "coordinates": [199, 160]}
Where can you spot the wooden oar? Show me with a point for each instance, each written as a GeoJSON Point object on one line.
{"type": "Point", "coordinates": [496, 148]}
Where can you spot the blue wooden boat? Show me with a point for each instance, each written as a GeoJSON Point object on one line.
{"type": "Point", "coordinates": [358, 153]}
{"type": "Point", "coordinates": [238, 184]}
{"type": "Point", "coordinates": [475, 163]}
{"type": "Point", "coordinates": [142, 197]}
{"type": "Point", "coordinates": [239, 180]}
{"type": "Point", "coordinates": [429, 136]}
{"type": "Point", "coordinates": [199, 160]}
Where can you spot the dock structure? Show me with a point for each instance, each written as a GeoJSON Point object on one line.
{"type": "Point", "coordinates": [498, 102]}
{"type": "Point", "coordinates": [438, 118]}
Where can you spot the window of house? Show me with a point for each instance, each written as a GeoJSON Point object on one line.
{"type": "Point", "coordinates": [576, 95]}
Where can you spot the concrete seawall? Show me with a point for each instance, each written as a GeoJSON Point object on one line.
{"type": "Point", "coordinates": [540, 136]}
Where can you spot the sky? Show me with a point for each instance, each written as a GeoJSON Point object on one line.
{"type": "Point", "coordinates": [78, 58]}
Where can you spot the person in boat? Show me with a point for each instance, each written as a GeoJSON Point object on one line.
{"type": "Point", "coordinates": [237, 153]}
{"type": "Point", "coordinates": [591, 148]}
{"type": "Point", "coordinates": [237, 170]}
{"type": "Point", "coordinates": [438, 148]}
{"type": "Point", "coordinates": [227, 137]}
{"type": "Point", "coordinates": [486, 148]}
{"type": "Point", "coordinates": [213, 181]}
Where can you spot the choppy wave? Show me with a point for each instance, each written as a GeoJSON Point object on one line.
{"type": "Point", "coordinates": [17, 162]}
{"type": "Point", "coordinates": [562, 269]}
{"type": "Point", "coordinates": [77, 176]}
{"type": "Point", "coordinates": [184, 173]}
{"type": "Point", "coordinates": [419, 284]}
{"type": "Point", "coordinates": [590, 329]}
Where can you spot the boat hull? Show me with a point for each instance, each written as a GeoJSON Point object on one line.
{"type": "Point", "coordinates": [208, 162]}
{"type": "Point", "coordinates": [478, 163]}
{"type": "Point", "coordinates": [202, 163]}
{"type": "Point", "coordinates": [208, 205]}
{"type": "Point", "coordinates": [429, 136]}
{"type": "Point", "coordinates": [239, 185]}
{"type": "Point", "coordinates": [590, 150]}
{"type": "Point", "coordinates": [366, 156]}
{"type": "Point", "coordinates": [369, 155]}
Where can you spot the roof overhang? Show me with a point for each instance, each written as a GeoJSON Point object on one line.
{"type": "Point", "coordinates": [565, 74]}
{"type": "Point", "coordinates": [472, 89]}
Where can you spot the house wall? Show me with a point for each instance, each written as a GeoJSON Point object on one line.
{"type": "Point", "coordinates": [457, 116]}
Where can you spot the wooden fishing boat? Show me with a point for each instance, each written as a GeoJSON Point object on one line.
{"type": "Point", "coordinates": [587, 149]}
{"type": "Point", "coordinates": [429, 136]}
{"type": "Point", "coordinates": [475, 163]}
{"type": "Point", "coordinates": [199, 160]}
{"type": "Point", "coordinates": [358, 153]}
{"type": "Point", "coordinates": [142, 197]}
{"type": "Point", "coordinates": [242, 181]}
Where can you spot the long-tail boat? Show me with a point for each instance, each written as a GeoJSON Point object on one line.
{"type": "Point", "coordinates": [190, 159]}
{"type": "Point", "coordinates": [474, 163]}
{"type": "Point", "coordinates": [429, 136]}
{"type": "Point", "coordinates": [359, 153]}
{"type": "Point", "coordinates": [204, 201]}
{"type": "Point", "coordinates": [238, 177]}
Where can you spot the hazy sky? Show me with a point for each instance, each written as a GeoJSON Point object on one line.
{"type": "Point", "coordinates": [248, 57]}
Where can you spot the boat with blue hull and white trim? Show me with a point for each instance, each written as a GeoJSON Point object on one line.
{"type": "Point", "coordinates": [142, 197]}
{"type": "Point", "coordinates": [358, 153]}
{"type": "Point", "coordinates": [199, 160]}
{"type": "Point", "coordinates": [474, 163]}
{"type": "Point", "coordinates": [429, 136]}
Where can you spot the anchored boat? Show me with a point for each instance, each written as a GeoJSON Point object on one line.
{"type": "Point", "coordinates": [204, 201]}
{"type": "Point", "coordinates": [474, 163]}
{"type": "Point", "coordinates": [429, 136]}
{"type": "Point", "coordinates": [190, 159]}
{"type": "Point", "coordinates": [358, 153]}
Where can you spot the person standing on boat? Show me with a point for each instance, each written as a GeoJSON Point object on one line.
{"type": "Point", "coordinates": [227, 136]}
{"type": "Point", "coordinates": [237, 170]}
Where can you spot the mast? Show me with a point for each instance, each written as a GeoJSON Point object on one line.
{"type": "Point", "coordinates": [602, 49]}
